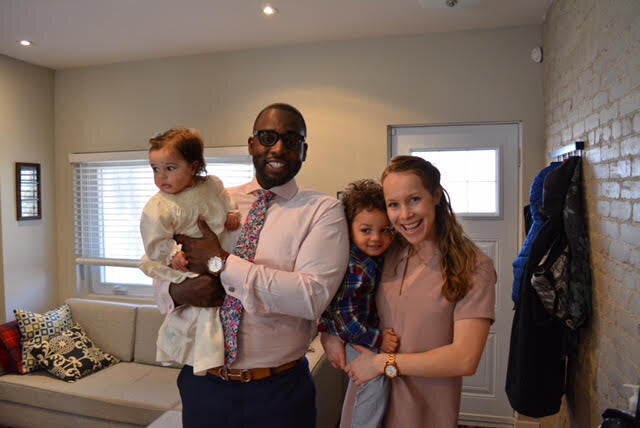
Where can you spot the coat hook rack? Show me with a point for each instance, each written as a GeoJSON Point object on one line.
{"type": "Point", "coordinates": [573, 149]}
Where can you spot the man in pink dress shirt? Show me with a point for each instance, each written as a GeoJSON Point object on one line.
{"type": "Point", "coordinates": [300, 260]}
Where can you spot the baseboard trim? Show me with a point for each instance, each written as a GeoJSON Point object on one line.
{"type": "Point", "coordinates": [527, 424]}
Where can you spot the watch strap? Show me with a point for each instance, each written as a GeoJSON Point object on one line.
{"type": "Point", "coordinates": [391, 361]}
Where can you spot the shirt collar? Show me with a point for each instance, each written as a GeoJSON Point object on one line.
{"type": "Point", "coordinates": [287, 191]}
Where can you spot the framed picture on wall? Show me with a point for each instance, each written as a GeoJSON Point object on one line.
{"type": "Point", "coordinates": [28, 201]}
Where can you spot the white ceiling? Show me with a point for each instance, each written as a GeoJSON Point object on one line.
{"type": "Point", "coordinates": [74, 33]}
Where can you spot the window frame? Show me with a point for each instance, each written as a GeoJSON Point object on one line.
{"type": "Point", "coordinates": [90, 270]}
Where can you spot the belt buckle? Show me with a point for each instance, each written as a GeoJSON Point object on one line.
{"type": "Point", "coordinates": [244, 376]}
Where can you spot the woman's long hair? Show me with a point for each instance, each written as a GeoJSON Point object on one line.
{"type": "Point", "coordinates": [459, 252]}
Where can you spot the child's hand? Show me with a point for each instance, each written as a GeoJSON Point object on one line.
{"type": "Point", "coordinates": [180, 262]}
{"type": "Point", "coordinates": [233, 221]}
{"type": "Point", "coordinates": [390, 341]}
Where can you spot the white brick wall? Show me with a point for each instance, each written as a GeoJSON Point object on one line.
{"type": "Point", "coordinates": [592, 93]}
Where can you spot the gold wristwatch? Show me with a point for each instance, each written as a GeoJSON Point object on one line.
{"type": "Point", "coordinates": [390, 367]}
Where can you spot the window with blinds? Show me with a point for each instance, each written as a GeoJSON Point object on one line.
{"type": "Point", "coordinates": [110, 191]}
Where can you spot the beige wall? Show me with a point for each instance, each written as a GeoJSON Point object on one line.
{"type": "Point", "coordinates": [592, 93]}
{"type": "Point", "coordinates": [27, 248]}
{"type": "Point", "coordinates": [348, 91]}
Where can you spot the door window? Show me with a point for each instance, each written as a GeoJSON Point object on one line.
{"type": "Point", "coordinates": [470, 177]}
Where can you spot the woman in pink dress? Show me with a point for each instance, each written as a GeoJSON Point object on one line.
{"type": "Point", "coordinates": [438, 294]}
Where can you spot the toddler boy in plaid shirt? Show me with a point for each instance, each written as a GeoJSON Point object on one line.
{"type": "Point", "coordinates": [352, 314]}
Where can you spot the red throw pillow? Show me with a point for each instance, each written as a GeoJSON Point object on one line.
{"type": "Point", "coordinates": [10, 352]}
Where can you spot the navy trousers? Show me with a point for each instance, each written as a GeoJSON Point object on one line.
{"type": "Point", "coordinates": [286, 400]}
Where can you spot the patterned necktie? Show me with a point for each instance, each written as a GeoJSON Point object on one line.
{"type": "Point", "coordinates": [231, 309]}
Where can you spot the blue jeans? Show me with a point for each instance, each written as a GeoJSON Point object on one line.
{"type": "Point", "coordinates": [371, 398]}
{"type": "Point", "coordinates": [286, 400]}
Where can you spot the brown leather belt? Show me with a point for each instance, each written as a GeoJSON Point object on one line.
{"type": "Point", "coordinates": [248, 375]}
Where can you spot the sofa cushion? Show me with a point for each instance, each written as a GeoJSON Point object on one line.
{"type": "Point", "coordinates": [10, 353]}
{"type": "Point", "coordinates": [71, 355]}
{"type": "Point", "coordinates": [35, 328]}
{"type": "Point", "coordinates": [126, 392]}
{"type": "Point", "coordinates": [148, 321]}
{"type": "Point", "coordinates": [110, 325]}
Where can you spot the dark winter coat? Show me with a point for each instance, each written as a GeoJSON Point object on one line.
{"type": "Point", "coordinates": [540, 341]}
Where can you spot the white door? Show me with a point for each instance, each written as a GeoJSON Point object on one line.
{"type": "Point", "coordinates": [479, 168]}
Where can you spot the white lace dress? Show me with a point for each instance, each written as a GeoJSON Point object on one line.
{"type": "Point", "coordinates": [188, 335]}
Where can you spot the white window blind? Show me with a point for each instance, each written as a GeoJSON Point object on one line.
{"type": "Point", "coordinates": [110, 191]}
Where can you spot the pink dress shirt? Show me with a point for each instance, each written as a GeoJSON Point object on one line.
{"type": "Point", "coordinates": [301, 258]}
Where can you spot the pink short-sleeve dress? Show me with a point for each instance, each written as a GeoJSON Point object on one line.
{"type": "Point", "coordinates": [412, 303]}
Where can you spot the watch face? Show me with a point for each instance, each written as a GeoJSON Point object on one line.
{"type": "Point", "coordinates": [215, 264]}
{"type": "Point", "coordinates": [391, 371]}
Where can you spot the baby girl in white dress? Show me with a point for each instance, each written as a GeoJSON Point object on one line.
{"type": "Point", "coordinates": [188, 335]}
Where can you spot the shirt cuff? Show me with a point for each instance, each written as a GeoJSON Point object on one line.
{"type": "Point", "coordinates": [234, 275]}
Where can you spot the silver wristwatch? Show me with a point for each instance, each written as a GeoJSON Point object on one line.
{"type": "Point", "coordinates": [216, 264]}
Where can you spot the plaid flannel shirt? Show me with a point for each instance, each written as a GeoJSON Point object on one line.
{"type": "Point", "coordinates": [352, 314]}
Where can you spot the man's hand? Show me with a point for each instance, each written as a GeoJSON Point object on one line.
{"type": "Point", "coordinates": [204, 291]}
{"type": "Point", "coordinates": [200, 250]}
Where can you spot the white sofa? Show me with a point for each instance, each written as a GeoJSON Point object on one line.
{"type": "Point", "coordinates": [134, 392]}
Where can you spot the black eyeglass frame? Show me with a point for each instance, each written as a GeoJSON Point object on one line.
{"type": "Point", "coordinates": [291, 140]}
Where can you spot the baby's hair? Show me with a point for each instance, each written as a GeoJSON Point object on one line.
{"type": "Point", "coordinates": [360, 195]}
{"type": "Point", "coordinates": [187, 142]}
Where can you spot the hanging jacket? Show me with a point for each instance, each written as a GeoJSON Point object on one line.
{"type": "Point", "coordinates": [539, 340]}
{"type": "Point", "coordinates": [580, 279]}
{"type": "Point", "coordinates": [535, 202]}
{"type": "Point", "coordinates": [562, 279]}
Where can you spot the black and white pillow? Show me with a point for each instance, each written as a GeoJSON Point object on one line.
{"type": "Point", "coordinates": [71, 355]}
{"type": "Point", "coordinates": [35, 328]}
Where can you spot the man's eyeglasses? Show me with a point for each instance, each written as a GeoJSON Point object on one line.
{"type": "Point", "coordinates": [268, 138]}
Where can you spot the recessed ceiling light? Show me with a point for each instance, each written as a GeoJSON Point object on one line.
{"type": "Point", "coordinates": [269, 10]}
{"type": "Point", "coordinates": [25, 42]}
{"type": "Point", "coordinates": [439, 4]}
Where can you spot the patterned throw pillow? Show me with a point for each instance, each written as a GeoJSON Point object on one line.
{"type": "Point", "coordinates": [10, 355]}
{"type": "Point", "coordinates": [71, 355]}
{"type": "Point", "coordinates": [36, 328]}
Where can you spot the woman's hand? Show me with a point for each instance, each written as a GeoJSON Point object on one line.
{"type": "Point", "coordinates": [367, 366]}
{"type": "Point", "coordinates": [334, 349]}
{"type": "Point", "coordinates": [200, 250]}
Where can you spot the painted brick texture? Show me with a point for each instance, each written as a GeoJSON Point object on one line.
{"type": "Point", "coordinates": [592, 93]}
